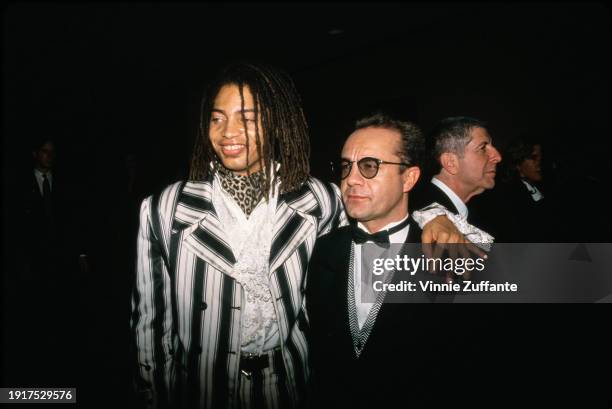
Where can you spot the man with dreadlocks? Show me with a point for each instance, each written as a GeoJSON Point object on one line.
{"type": "Point", "coordinates": [218, 307]}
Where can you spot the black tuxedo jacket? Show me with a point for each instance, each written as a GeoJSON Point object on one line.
{"type": "Point", "coordinates": [445, 355]}
{"type": "Point", "coordinates": [428, 194]}
{"type": "Point", "coordinates": [403, 355]}
{"type": "Point", "coordinates": [514, 217]}
{"type": "Point", "coordinates": [520, 352]}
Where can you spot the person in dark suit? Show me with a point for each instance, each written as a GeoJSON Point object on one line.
{"type": "Point", "coordinates": [40, 210]}
{"type": "Point", "coordinates": [546, 347]}
{"type": "Point", "coordinates": [47, 248]}
{"type": "Point", "coordinates": [218, 307]}
{"type": "Point", "coordinates": [521, 193]}
{"type": "Point", "coordinates": [54, 213]}
{"type": "Point", "coordinates": [466, 162]}
{"type": "Point", "coordinates": [370, 353]}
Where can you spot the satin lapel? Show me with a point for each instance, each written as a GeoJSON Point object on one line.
{"type": "Point", "coordinates": [441, 197]}
{"type": "Point", "coordinates": [202, 231]}
{"type": "Point", "coordinates": [385, 311]}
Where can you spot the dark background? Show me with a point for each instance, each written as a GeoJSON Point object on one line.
{"type": "Point", "coordinates": [107, 80]}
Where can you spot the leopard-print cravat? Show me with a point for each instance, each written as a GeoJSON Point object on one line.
{"type": "Point", "coordinates": [245, 190]}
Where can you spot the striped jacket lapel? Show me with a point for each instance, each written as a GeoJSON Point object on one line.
{"type": "Point", "coordinates": [202, 231]}
{"type": "Point", "coordinates": [296, 219]}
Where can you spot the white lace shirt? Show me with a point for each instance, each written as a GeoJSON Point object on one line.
{"type": "Point", "coordinates": [250, 239]}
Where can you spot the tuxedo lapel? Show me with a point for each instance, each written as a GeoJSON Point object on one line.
{"type": "Point", "coordinates": [381, 310]}
{"type": "Point", "coordinates": [360, 335]}
{"type": "Point", "coordinates": [439, 196]}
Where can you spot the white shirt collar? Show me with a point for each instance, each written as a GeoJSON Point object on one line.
{"type": "Point", "coordinates": [40, 173]}
{"type": "Point", "coordinates": [39, 179]}
{"type": "Point", "coordinates": [461, 207]}
{"type": "Point", "coordinates": [536, 195]}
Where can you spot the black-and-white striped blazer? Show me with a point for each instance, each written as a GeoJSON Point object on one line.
{"type": "Point", "coordinates": [187, 309]}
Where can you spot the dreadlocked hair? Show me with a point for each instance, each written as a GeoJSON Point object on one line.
{"type": "Point", "coordinates": [283, 136]}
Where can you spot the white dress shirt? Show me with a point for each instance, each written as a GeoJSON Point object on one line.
{"type": "Point", "coordinates": [40, 180]}
{"type": "Point", "coordinates": [536, 195]}
{"type": "Point", "coordinates": [399, 237]}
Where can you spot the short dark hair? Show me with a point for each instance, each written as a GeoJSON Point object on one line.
{"type": "Point", "coordinates": [516, 152]}
{"type": "Point", "coordinates": [452, 134]}
{"type": "Point", "coordinates": [285, 136]}
{"type": "Point", "coordinates": [412, 145]}
{"type": "Point", "coordinates": [520, 149]}
{"type": "Point", "coordinates": [40, 141]}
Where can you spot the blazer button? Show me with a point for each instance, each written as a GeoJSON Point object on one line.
{"type": "Point", "coordinates": [203, 305]}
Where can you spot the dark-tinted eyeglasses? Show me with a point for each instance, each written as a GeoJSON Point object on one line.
{"type": "Point", "coordinates": [368, 167]}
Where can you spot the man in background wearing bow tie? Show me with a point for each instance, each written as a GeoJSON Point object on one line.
{"type": "Point", "coordinates": [369, 354]}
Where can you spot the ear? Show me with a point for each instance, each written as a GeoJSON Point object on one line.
{"type": "Point", "coordinates": [410, 177]}
{"type": "Point", "coordinates": [450, 162]}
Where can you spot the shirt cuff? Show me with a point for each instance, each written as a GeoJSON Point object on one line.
{"type": "Point", "coordinates": [479, 237]}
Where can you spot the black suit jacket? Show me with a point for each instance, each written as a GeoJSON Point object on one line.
{"type": "Point", "coordinates": [403, 355]}
{"type": "Point", "coordinates": [520, 352]}
{"type": "Point", "coordinates": [43, 241]}
{"type": "Point", "coordinates": [50, 239]}
{"type": "Point", "coordinates": [422, 355]}
{"type": "Point", "coordinates": [514, 217]}
{"type": "Point", "coordinates": [428, 194]}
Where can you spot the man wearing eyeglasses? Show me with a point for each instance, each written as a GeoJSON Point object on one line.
{"type": "Point", "coordinates": [369, 354]}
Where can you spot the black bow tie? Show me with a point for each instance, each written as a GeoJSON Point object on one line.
{"type": "Point", "coordinates": [382, 237]}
